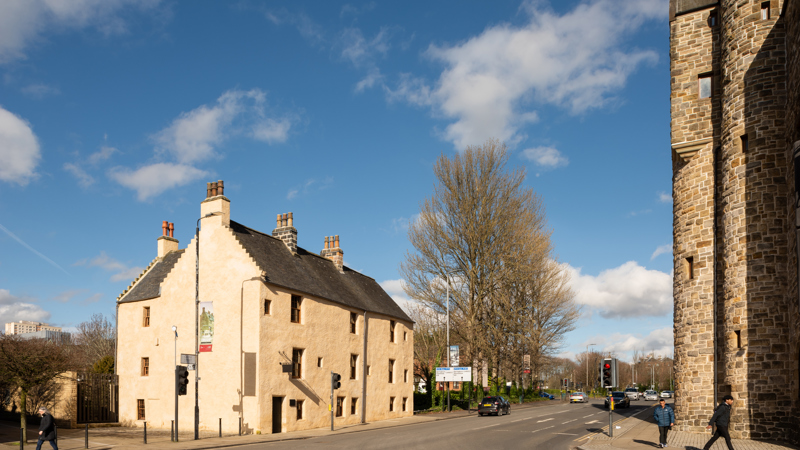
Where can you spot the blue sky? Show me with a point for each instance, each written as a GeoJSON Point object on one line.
{"type": "Point", "coordinates": [115, 113]}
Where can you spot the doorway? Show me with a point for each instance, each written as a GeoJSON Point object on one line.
{"type": "Point", "coordinates": [277, 408]}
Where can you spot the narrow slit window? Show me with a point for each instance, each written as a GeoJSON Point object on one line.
{"type": "Point", "coordinates": [405, 400]}
{"type": "Point", "coordinates": [339, 406]}
{"type": "Point", "coordinates": [391, 371]}
{"type": "Point", "coordinates": [297, 363]}
{"type": "Point", "coordinates": [145, 367]}
{"type": "Point", "coordinates": [319, 362]}
{"type": "Point", "coordinates": [353, 321]}
{"type": "Point", "coordinates": [712, 19]}
{"type": "Point", "coordinates": [296, 303]}
{"type": "Point", "coordinates": [140, 409]}
{"type": "Point", "coordinates": [745, 143]}
{"type": "Point", "coordinates": [267, 307]}
{"type": "Point", "coordinates": [391, 330]}
{"type": "Point", "coordinates": [765, 11]}
{"type": "Point", "coordinates": [353, 366]}
{"type": "Point", "coordinates": [704, 85]}
{"type": "Point", "coordinates": [146, 318]}
{"type": "Point", "coordinates": [300, 410]}
{"type": "Point", "coordinates": [391, 404]}
{"type": "Point", "coordinates": [405, 376]}
{"type": "Point", "coordinates": [738, 338]}
{"type": "Point", "coordinates": [690, 268]}
{"type": "Point", "coordinates": [353, 407]}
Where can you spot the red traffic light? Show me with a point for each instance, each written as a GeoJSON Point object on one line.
{"type": "Point", "coordinates": [607, 366]}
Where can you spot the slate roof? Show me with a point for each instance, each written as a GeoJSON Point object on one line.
{"type": "Point", "coordinates": [312, 274]}
{"type": "Point", "coordinates": [149, 286]}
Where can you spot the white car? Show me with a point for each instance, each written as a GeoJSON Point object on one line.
{"type": "Point", "coordinates": [632, 393]}
{"type": "Point", "coordinates": [666, 394]}
{"type": "Point", "coordinates": [576, 397]}
{"type": "Point", "coordinates": [650, 395]}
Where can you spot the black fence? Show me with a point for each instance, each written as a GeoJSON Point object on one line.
{"type": "Point", "coordinates": [98, 398]}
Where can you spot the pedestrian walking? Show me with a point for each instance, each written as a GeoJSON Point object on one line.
{"type": "Point", "coordinates": [665, 418]}
{"type": "Point", "coordinates": [722, 417]}
{"type": "Point", "coordinates": [47, 429]}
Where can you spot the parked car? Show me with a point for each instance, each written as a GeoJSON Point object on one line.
{"type": "Point", "coordinates": [650, 395]}
{"type": "Point", "coordinates": [494, 405]}
{"type": "Point", "coordinates": [576, 397]}
{"type": "Point", "coordinates": [546, 395]}
{"type": "Point", "coordinates": [666, 394]}
{"type": "Point", "coordinates": [632, 393]}
{"type": "Point", "coordinates": [620, 400]}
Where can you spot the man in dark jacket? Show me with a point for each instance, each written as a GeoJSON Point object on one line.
{"type": "Point", "coordinates": [665, 418]}
{"type": "Point", "coordinates": [47, 430]}
{"type": "Point", "coordinates": [722, 417]}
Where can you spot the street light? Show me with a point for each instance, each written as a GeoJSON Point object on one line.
{"type": "Point", "coordinates": [197, 326]}
{"type": "Point", "coordinates": [587, 365]}
{"type": "Point", "coordinates": [448, 336]}
{"type": "Point", "coordinates": [174, 369]}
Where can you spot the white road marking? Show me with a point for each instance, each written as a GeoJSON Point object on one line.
{"type": "Point", "coordinates": [590, 415]}
{"type": "Point", "coordinates": [594, 421]}
{"type": "Point", "coordinates": [534, 431]}
{"type": "Point", "coordinates": [573, 420]}
{"type": "Point", "coordinates": [545, 420]}
{"type": "Point", "coordinates": [568, 434]}
{"type": "Point", "coordinates": [488, 426]}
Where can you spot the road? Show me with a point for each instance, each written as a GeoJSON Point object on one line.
{"type": "Point", "coordinates": [556, 426]}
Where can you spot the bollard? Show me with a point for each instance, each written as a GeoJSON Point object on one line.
{"type": "Point", "coordinates": [220, 427]}
{"type": "Point", "coordinates": [240, 426]}
{"type": "Point", "coordinates": [172, 430]}
{"type": "Point", "coordinates": [145, 432]}
{"type": "Point", "coordinates": [86, 437]}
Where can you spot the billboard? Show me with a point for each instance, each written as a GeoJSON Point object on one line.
{"type": "Point", "coordinates": [453, 356]}
{"type": "Point", "coordinates": [206, 329]}
{"type": "Point", "coordinates": [461, 374]}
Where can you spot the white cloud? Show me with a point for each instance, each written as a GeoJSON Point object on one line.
{"type": "Point", "coordinates": [270, 130]}
{"type": "Point", "coordinates": [660, 340]}
{"type": "Point", "coordinates": [666, 248]}
{"type": "Point", "coordinates": [395, 290]}
{"type": "Point", "coordinates": [546, 157]}
{"type": "Point", "coordinates": [310, 186]}
{"type": "Point", "coordinates": [576, 61]}
{"type": "Point", "coordinates": [13, 309]}
{"type": "Point", "coordinates": [150, 181]}
{"type": "Point", "coordinates": [84, 179]}
{"type": "Point", "coordinates": [109, 264]}
{"type": "Point", "coordinates": [103, 155]}
{"type": "Point", "coordinates": [64, 297]}
{"type": "Point", "coordinates": [39, 91]}
{"type": "Point", "coordinates": [19, 149]}
{"type": "Point", "coordinates": [627, 291]}
{"type": "Point", "coordinates": [23, 22]}
{"type": "Point", "coordinates": [363, 52]}
{"type": "Point", "coordinates": [664, 197]}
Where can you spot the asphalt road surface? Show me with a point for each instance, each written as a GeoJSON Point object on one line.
{"type": "Point", "coordinates": [555, 426]}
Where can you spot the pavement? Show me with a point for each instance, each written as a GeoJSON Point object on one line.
{"type": "Point", "coordinates": [640, 431]}
{"type": "Point", "coordinates": [132, 438]}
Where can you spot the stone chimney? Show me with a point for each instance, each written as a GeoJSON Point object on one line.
{"type": "Point", "coordinates": [285, 231]}
{"type": "Point", "coordinates": [167, 243]}
{"type": "Point", "coordinates": [217, 204]}
{"type": "Point", "coordinates": [333, 252]}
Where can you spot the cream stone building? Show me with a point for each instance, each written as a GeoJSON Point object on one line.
{"type": "Point", "coordinates": [276, 320]}
{"type": "Point", "coordinates": [735, 135]}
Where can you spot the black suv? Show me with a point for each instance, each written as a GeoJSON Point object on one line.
{"type": "Point", "coordinates": [494, 405]}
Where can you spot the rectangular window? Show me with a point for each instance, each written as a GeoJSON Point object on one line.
{"type": "Point", "coordinates": [405, 376]}
{"type": "Point", "coordinates": [369, 370]}
{"type": "Point", "coordinates": [145, 367]}
{"type": "Point", "coordinates": [391, 404]}
{"type": "Point", "coordinates": [353, 407]}
{"type": "Point", "coordinates": [704, 85]}
{"type": "Point", "coordinates": [765, 11]}
{"type": "Point", "coordinates": [267, 307]}
{"type": "Point", "coordinates": [738, 338]}
{"type": "Point", "coordinates": [405, 400]}
{"type": "Point", "coordinates": [319, 362]}
{"type": "Point", "coordinates": [405, 336]}
{"type": "Point", "coordinates": [353, 320]}
{"type": "Point", "coordinates": [296, 302]}
{"type": "Point", "coordinates": [140, 409]}
{"type": "Point", "coordinates": [391, 371]}
{"type": "Point", "coordinates": [745, 143]}
{"type": "Point", "coordinates": [353, 366]}
{"type": "Point", "coordinates": [300, 410]}
{"type": "Point", "coordinates": [297, 363]}
{"type": "Point", "coordinates": [146, 318]}
{"type": "Point", "coordinates": [391, 331]}
{"type": "Point", "coordinates": [690, 268]}
{"type": "Point", "coordinates": [712, 18]}
{"type": "Point", "coordinates": [339, 406]}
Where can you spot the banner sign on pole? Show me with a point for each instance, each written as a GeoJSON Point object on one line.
{"type": "Point", "coordinates": [461, 374]}
{"type": "Point", "coordinates": [206, 326]}
{"type": "Point", "coordinates": [453, 356]}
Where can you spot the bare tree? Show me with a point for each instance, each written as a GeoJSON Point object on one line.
{"type": "Point", "coordinates": [429, 342]}
{"type": "Point", "coordinates": [484, 233]}
{"type": "Point", "coordinates": [28, 364]}
{"type": "Point", "coordinates": [95, 340]}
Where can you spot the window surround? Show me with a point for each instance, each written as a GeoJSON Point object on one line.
{"type": "Point", "coordinates": [705, 85]}
{"type": "Point", "coordinates": [297, 309]}
{"type": "Point", "coordinates": [145, 366]}
{"type": "Point", "coordinates": [140, 412]}
{"type": "Point", "coordinates": [297, 363]}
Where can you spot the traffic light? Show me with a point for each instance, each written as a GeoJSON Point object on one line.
{"type": "Point", "coordinates": [335, 377]}
{"type": "Point", "coordinates": [606, 375]}
{"type": "Point", "coordinates": [181, 379]}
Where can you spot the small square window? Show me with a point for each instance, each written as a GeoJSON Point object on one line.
{"type": "Point", "coordinates": [267, 306]}
{"type": "Point", "coordinates": [765, 11]}
{"type": "Point", "coordinates": [140, 409]}
{"type": "Point", "coordinates": [319, 362]}
{"type": "Point", "coordinates": [146, 318]}
{"type": "Point", "coordinates": [704, 86]}
{"type": "Point", "coordinates": [300, 410]}
{"type": "Point", "coordinates": [353, 407]}
{"type": "Point", "coordinates": [145, 367]}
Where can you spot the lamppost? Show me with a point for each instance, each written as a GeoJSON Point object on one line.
{"type": "Point", "coordinates": [587, 365]}
{"type": "Point", "coordinates": [197, 327]}
{"type": "Point", "coordinates": [447, 300]}
{"type": "Point", "coordinates": [175, 370]}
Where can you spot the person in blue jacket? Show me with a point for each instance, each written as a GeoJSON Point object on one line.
{"type": "Point", "coordinates": [665, 418]}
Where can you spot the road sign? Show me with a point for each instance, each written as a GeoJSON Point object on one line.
{"type": "Point", "coordinates": [454, 374]}
{"type": "Point", "coordinates": [188, 359]}
{"type": "Point", "coordinates": [190, 367]}
{"type": "Point", "coordinates": [454, 356]}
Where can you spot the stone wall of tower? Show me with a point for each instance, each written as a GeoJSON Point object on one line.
{"type": "Point", "coordinates": [695, 121]}
{"type": "Point", "coordinates": [732, 161]}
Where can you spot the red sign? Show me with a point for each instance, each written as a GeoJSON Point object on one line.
{"type": "Point", "coordinates": [526, 371]}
